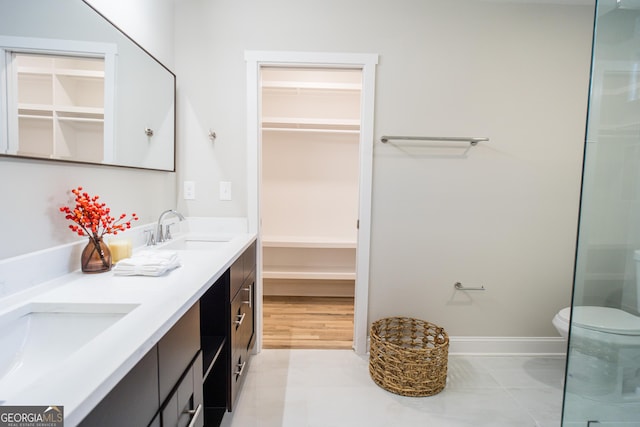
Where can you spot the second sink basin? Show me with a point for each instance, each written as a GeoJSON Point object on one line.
{"type": "Point", "coordinates": [202, 243]}
{"type": "Point", "coordinates": [37, 336]}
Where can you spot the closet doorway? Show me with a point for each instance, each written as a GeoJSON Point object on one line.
{"type": "Point", "coordinates": [282, 249]}
{"type": "Point", "coordinates": [310, 124]}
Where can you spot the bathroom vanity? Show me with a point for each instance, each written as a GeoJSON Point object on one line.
{"type": "Point", "coordinates": [172, 350]}
{"type": "Point", "coordinates": [195, 372]}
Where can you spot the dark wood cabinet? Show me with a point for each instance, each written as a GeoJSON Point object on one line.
{"type": "Point", "coordinates": [242, 324]}
{"type": "Point", "coordinates": [227, 325]}
{"type": "Point", "coordinates": [169, 376]}
{"type": "Point", "coordinates": [177, 349]}
{"type": "Point", "coordinates": [242, 334]}
{"type": "Point", "coordinates": [119, 408]}
{"type": "Point", "coordinates": [180, 368]}
{"type": "Point", "coordinates": [184, 405]}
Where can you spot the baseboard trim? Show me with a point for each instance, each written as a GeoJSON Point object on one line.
{"type": "Point", "coordinates": [555, 346]}
{"type": "Point", "coordinates": [506, 346]}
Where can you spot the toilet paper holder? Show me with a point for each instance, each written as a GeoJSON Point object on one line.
{"type": "Point", "coordinates": [459, 287]}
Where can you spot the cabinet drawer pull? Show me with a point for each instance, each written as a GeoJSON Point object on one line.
{"type": "Point", "coordinates": [195, 413]}
{"type": "Point", "coordinates": [239, 321]}
{"type": "Point", "coordinates": [248, 289]}
{"type": "Point", "coordinates": [241, 370]}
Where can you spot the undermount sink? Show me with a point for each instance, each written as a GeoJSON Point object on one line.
{"type": "Point", "coordinates": [35, 337]}
{"type": "Point", "coordinates": [202, 243]}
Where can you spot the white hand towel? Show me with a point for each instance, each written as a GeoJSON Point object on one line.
{"type": "Point", "coordinates": [147, 263]}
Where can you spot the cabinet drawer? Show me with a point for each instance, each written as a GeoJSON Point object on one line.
{"type": "Point", "coordinates": [241, 320]}
{"type": "Point", "coordinates": [177, 349]}
{"type": "Point", "coordinates": [184, 408]}
{"type": "Point", "coordinates": [237, 277]}
{"type": "Point", "coordinates": [242, 268]}
{"type": "Point", "coordinates": [239, 369]}
{"type": "Point", "coordinates": [242, 315]}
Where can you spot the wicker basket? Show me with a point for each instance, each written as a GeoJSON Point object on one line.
{"type": "Point", "coordinates": [408, 356]}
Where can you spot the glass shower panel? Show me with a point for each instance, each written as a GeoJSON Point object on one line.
{"type": "Point", "coordinates": [602, 384]}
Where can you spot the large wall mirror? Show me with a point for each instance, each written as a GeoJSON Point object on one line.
{"type": "Point", "coordinates": [73, 87]}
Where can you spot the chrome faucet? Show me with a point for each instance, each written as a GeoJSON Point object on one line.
{"type": "Point", "coordinates": [160, 235]}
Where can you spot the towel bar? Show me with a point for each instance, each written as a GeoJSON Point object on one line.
{"type": "Point", "coordinates": [472, 140]}
{"type": "Point", "coordinates": [459, 287]}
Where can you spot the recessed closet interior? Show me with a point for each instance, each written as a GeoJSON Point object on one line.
{"type": "Point", "coordinates": [310, 121]}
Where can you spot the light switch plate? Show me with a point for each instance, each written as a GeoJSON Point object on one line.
{"type": "Point", "coordinates": [225, 190]}
{"type": "Point", "coordinates": [189, 190]}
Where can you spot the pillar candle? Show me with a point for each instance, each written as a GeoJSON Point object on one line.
{"type": "Point", "coordinates": [120, 249]}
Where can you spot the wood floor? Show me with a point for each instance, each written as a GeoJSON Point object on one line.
{"type": "Point", "coordinates": [307, 322]}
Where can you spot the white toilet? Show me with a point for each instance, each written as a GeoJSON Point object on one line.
{"type": "Point", "coordinates": [604, 363]}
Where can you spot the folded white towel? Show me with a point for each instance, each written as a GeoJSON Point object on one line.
{"type": "Point", "coordinates": [147, 263]}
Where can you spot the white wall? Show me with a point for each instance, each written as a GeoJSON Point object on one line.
{"type": "Point", "coordinates": [32, 191]}
{"type": "Point", "coordinates": [504, 216]}
{"type": "Point", "coordinates": [148, 22]}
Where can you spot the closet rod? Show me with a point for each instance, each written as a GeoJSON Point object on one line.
{"type": "Point", "coordinates": [471, 140]}
{"type": "Point", "coordinates": [316, 130]}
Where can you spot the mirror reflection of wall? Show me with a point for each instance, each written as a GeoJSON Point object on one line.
{"type": "Point", "coordinates": [128, 121]}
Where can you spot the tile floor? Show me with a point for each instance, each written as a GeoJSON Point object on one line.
{"type": "Point", "coordinates": [332, 388]}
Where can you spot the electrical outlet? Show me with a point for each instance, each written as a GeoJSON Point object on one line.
{"type": "Point", "coordinates": [225, 190]}
{"type": "Point", "coordinates": [189, 190]}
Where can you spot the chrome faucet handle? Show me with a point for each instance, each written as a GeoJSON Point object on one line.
{"type": "Point", "coordinates": [167, 232]}
{"type": "Point", "coordinates": [149, 238]}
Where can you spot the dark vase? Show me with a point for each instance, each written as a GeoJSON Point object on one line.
{"type": "Point", "coordinates": [96, 257]}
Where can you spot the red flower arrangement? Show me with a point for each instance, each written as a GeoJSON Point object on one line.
{"type": "Point", "coordinates": [93, 218]}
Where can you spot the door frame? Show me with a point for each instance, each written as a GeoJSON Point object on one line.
{"type": "Point", "coordinates": [367, 63]}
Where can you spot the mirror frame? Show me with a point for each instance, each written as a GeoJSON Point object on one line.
{"type": "Point", "coordinates": [81, 162]}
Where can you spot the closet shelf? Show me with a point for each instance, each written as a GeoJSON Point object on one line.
{"type": "Point", "coordinates": [49, 71]}
{"type": "Point", "coordinates": [79, 120]}
{"type": "Point", "coordinates": [316, 130]}
{"type": "Point", "coordinates": [90, 74]}
{"type": "Point", "coordinates": [287, 84]}
{"type": "Point", "coordinates": [294, 124]}
{"type": "Point", "coordinates": [34, 115]}
{"type": "Point", "coordinates": [71, 109]}
{"type": "Point", "coordinates": [307, 242]}
{"type": "Point", "coordinates": [308, 272]}
{"type": "Point", "coordinates": [309, 121]}
{"type": "Point", "coordinates": [35, 107]}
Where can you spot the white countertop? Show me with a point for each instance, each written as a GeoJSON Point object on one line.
{"type": "Point", "coordinates": [83, 379]}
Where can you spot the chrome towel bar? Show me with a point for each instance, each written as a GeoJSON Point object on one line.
{"type": "Point", "coordinates": [472, 140]}
{"type": "Point", "coordinates": [459, 287]}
